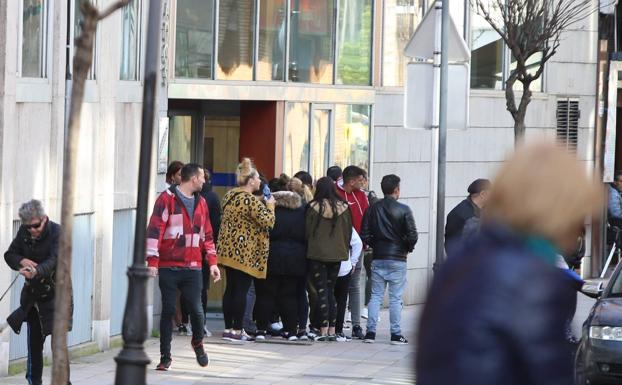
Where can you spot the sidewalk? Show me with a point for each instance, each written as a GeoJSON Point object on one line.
{"type": "Point", "coordinates": [267, 363]}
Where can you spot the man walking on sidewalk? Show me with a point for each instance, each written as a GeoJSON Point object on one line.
{"type": "Point", "coordinates": [178, 236]}
{"type": "Point", "coordinates": [350, 189]}
{"type": "Point", "coordinates": [389, 228]}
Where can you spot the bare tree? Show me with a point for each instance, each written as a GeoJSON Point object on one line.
{"type": "Point", "coordinates": [82, 62]}
{"type": "Point", "coordinates": [532, 30]}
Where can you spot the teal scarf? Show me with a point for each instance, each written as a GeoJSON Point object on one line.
{"type": "Point", "coordinates": [542, 248]}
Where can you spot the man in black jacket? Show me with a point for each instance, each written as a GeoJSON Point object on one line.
{"type": "Point", "coordinates": [34, 253]}
{"type": "Point", "coordinates": [389, 228]}
{"type": "Point", "coordinates": [466, 211]}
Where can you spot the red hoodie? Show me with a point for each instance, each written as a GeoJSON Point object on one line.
{"type": "Point", "coordinates": [357, 200]}
{"type": "Point", "coordinates": [173, 240]}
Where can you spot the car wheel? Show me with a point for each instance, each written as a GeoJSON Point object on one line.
{"type": "Point", "coordinates": [579, 367]}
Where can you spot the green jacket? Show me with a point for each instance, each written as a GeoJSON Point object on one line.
{"type": "Point", "coordinates": [326, 243]}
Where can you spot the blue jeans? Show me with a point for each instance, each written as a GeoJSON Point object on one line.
{"type": "Point", "coordinates": [383, 272]}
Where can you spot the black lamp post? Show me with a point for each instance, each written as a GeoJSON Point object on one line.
{"type": "Point", "coordinates": [132, 360]}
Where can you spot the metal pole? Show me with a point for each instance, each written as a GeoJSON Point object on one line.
{"type": "Point", "coordinates": [132, 360]}
{"type": "Point", "coordinates": [442, 137]}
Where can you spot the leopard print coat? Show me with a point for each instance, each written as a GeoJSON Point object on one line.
{"type": "Point", "coordinates": [243, 241]}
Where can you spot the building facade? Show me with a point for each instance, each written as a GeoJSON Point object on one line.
{"type": "Point", "coordinates": [293, 84]}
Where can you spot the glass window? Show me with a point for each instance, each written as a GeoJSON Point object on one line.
{"type": "Point", "coordinates": [311, 41]}
{"type": "Point", "coordinates": [533, 63]}
{"type": "Point", "coordinates": [486, 55]}
{"type": "Point", "coordinates": [401, 17]}
{"type": "Point", "coordinates": [77, 30]}
{"type": "Point", "coordinates": [354, 33]}
{"type": "Point", "coordinates": [194, 39]}
{"type": "Point", "coordinates": [320, 129]}
{"type": "Point", "coordinates": [351, 140]}
{"type": "Point", "coordinates": [180, 139]}
{"type": "Point", "coordinates": [34, 32]}
{"type": "Point", "coordinates": [130, 44]}
{"type": "Point", "coordinates": [236, 22]}
{"type": "Point", "coordinates": [271, 35]}
{"type": "Point", "coordinates": [296, 138]}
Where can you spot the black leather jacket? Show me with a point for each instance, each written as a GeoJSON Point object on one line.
{"type": "Point", "coordinates": [389, 228]}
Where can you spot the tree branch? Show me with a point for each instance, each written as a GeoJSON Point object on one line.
{"type": "Point", "coordinates": [113, 7]}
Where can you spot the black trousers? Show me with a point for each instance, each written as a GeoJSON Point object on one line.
{"type": "Point", "coordinates": [205, 289]}
{"type": "Point", "coordinates": [234, 298]}
{"type": "Point", "coordinates": [280, 293]}
{"type": "Point", "coordinates": [324, 277]}
{"type": "Point", "coordinates": [341, 297]}
{"type": "Point", "coordinates": [36, 339]}
{"type": "Point", "coordinates": [368, 256]}
{"type": "Point", "coordinates": [189, 283]}
{"type": "Point", "coordinates": [303, 303]}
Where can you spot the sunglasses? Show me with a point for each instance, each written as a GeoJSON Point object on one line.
{"type": "Point", "coordinates": [33, 226]}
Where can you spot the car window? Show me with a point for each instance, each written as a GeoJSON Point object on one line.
{"type": "Point", "coordinates": [616, 288]}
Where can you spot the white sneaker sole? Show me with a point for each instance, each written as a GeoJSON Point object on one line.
{"type": "Point", "coordinates": [398, 343]}
{"type": "Point", "coordinates": [369, 341]}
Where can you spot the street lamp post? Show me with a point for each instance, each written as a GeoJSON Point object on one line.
{"type": "Point", "coordinates": [132, 360]}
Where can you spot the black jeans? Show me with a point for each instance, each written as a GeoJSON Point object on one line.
{"type": "Point", "coordinates": [277, 292]}
{"type": "Point", "coordinates": [206, 276]}
{"type": "Point", "coordinates": [234, 298]}
{"type": "Point", "coordinates": [324, 277]}
{"type": "Point", "coordinates": [341, 297]}
{"type": "Point", "coordinates": [189, 283]}
{"type": "Point", "coordinates": [36, 339]}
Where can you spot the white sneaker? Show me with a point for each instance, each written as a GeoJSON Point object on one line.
{"type": "Point", "coordinates": [189, 329]}
{"type": "Point", "coordinates": [349, 317]}
{"type": "Point", "coordinates": [206, 331]}
{"type": "Point", "coordinates": [364, 313]}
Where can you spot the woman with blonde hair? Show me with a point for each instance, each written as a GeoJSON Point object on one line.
{"type": "Point", "coordinates": [497, 309]}
{"type": "Point", "coordinates": [243, 244]}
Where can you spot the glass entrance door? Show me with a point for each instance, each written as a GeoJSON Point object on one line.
{"type": "Point", "coordinates": [321, 122]}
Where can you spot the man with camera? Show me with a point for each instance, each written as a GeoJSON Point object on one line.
{"type": "Point", "coordinates": [34, 253]}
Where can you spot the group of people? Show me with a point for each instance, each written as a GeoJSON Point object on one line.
{"type": "Point", "coordinates": [300, 245]}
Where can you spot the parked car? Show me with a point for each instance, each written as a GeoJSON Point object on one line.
{"type": "Point", "coordinates": [598, 359]}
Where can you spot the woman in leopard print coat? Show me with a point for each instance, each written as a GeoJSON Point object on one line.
{"type": "Point", "coordinates": [243, 244]}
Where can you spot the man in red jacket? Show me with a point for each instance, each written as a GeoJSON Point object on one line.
{"type": "Point", "coordinates": [179, 236]}
{"type": "Point", "coordinates": [350, 188]}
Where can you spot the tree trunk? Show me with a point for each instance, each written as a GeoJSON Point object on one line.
{"type": "Point", "coordinates": [63, 297]}
{"type": "Point", "coordinates": [519, 119]}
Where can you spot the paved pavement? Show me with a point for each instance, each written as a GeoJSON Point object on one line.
{"type": "Point", "coordinates": [277, 361]}
{"type": "Point", "coordinates": [267, 363]}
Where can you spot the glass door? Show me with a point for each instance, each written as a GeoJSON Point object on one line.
{"type": "Point", "coordinates": [321, 123]}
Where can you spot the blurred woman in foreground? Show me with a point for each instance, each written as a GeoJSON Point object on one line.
{"type": "Point", "coordinates": [497, 309]}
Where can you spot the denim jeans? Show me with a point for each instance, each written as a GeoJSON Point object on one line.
{"type": "Point", "coordinates": [354, 292]}
{"type": "Point", "coordinates": [189, 282]}
{"type": "Point", "coordinates": [393, 273]}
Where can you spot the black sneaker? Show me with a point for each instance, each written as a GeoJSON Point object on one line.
{"type": "Point", "coordinates": [260, 335]}
{"type": "Point", "coordinates": [397, 339]}
{"type": "Point", "coordinates": [200, 353]}
{"type": "Point", "coordinates": [370, 337]}
{"type": "Point", "coordinates": [165, 363]}
{"type": "Point", "coordinates": [357, 332]}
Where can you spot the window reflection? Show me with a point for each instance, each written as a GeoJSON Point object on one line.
{"type": "Point", "coordinates": [33, 38]}
{"type": "Point", "coordinates": [321, 142]}
{"type": "Point", "coordinates": [296, 138]}
{"type": "Point", "coordinates": [236, 22]}
{"type": "Point", "coordinates": [354, 42]}
{"type": "Point", "coordinates": [352, 127]}
{"type": "Point", "coordinates": [401, 18]}
{"type": "Point", "coordinates": [130, 51]}
{"type": "Point", "coordinates": [271, 55]}
{"type": "Point", "coordinates": [180, 138]}
{"type": "Point", "coordinates": [486, 55]}
{"type": "Point", "coordinates": [311, 41]}
{"type": "Point", "coordinates": [194, 39]}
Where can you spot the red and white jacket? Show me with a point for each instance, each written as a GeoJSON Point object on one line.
{"type": "Point", "coordinates": [173, 239]}
{"type": "Point", "coordinates": [358, 202]}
